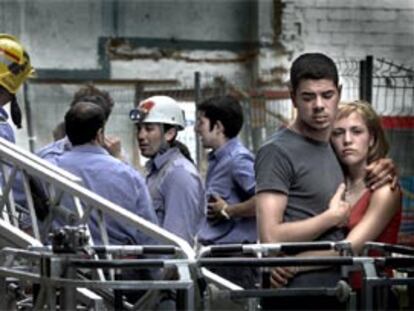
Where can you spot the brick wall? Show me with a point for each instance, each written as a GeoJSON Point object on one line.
{"type": "Point", "coordinates": [346, 29]}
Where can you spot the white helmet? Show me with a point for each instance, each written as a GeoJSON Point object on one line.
{"type": "Point", "coordinates": [159, 109]}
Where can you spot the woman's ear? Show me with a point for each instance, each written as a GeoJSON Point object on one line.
{"type": "Point", "coordinates": [371, 141]}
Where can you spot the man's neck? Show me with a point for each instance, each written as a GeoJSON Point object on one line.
{"type": "Point", "coordinates": [322, 135]}
{"type": "Point", "coordinates": [221, 141]}
{"type": "Point", "coordinates": [163, 149]}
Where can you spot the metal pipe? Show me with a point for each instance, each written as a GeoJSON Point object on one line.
{"type": "Point", "coordinates": [274, 262]}
{"type": "Point", "coordinates": [29, 122]}
{"type": "Point", "coordinates": [197, 99]}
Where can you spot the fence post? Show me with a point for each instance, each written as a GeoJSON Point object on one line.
{"type": "Point", "coordinates": [197, 98]}
{"type": "Point", "coordinates": [365, 78]}
{"type": "Point", "coordinates": [138, 96]}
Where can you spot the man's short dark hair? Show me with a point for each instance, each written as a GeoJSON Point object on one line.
{"type": "Point", "coordinates": [82, 122]}
{"type": "Point", "coordinates": [225, 109]}
{"type": "Point", "coordinates": [90, 93]}
{"type": "Point", "coordinates": [313, 66]}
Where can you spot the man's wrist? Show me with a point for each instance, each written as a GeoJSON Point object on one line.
{"type": "Point", "coordinates": [224, 212]}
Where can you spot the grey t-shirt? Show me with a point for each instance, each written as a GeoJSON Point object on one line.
{"type": "Point", "coordinates": [306, 170]}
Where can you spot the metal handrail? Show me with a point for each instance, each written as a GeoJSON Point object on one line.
{"type": "Point", "coordinates": [57, 181]}
{"type": "Point", "coordinates": [263, 249]}
{"type": "Point", "coordinates": [70, 184]}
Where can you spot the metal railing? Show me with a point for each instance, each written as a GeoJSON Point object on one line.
{"type": "Point", "coordinates": [20, 167]}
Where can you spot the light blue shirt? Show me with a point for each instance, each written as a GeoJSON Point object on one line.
{"type": "Point", "coordinates": [115, 181]}
{"type": "Point", "coordinates": [230, 175]}
{"type": "Point", "coordinates": [54, 150]}
{"type": "Point", "coordinates": [6, 130]}
{"type": "Point", "coordinates": [177, 193]}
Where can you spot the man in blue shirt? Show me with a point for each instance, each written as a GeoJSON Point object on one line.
{"type": "Point", "coordinates": [230, 181]}
{"type": "Point", "coordinates": [174, 183]}
{"type": "Point", "coordinates": [88, 93]}
{"type": "Point", "coordinates": [103, 174]}
{"type": "Point", "coordinates": [108, 177]}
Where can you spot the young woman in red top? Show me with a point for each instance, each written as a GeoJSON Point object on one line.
{"type": "Point", "coordinates": [358, 139]}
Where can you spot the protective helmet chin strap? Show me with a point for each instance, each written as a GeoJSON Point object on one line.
{"type": "Point", "coordinates": [16, 113]}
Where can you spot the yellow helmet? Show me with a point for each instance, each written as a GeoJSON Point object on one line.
{"type": "Point", "coordinates": [15, 65]}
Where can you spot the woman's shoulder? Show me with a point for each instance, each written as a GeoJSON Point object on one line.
{"type": "Point", "coordinates": [386, 195]}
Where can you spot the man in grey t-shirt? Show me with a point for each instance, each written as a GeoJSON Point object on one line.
{"type": "Point", "coordinates": [307, 172]}
{"type": "Point", "coordinates": [297, 172]}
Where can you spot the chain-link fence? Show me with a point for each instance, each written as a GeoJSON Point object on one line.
{"type": "Point", "coordinates": [393, 98]}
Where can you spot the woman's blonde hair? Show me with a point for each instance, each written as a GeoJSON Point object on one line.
{"type": "Point", "coordinates": [380, 147]}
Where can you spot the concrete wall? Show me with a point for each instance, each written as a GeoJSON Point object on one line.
{"type": "Point", "coordinates": [227, 21]}
{"type": "Point", "coordinates": [62, 36]}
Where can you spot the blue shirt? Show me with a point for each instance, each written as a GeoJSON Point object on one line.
{"type": "Point", "coordinates": [177, 193]}
{"type": "Point", "coordinates": [115, 181]}
{"type": "Point", "coordinates": [54, 150]}
{"type": "Point", "coordinates": [6, 130]}
{"type": "Point", "coordinates": [230, 174]}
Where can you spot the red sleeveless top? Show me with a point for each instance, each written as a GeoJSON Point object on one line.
{"type": "Point", "coordinates": [388, 235]}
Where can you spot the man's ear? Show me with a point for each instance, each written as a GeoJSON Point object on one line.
{"type": "Point", "coordinates": [340, 91]}
{"type": "Point", "coordinates": [170, 134]}
{"type": "Point", "coordinates": [220, 126]}
{"type": "Point", "coordinates": [100, 136]}
{"type": "Point", "coordinates": [292, 97]}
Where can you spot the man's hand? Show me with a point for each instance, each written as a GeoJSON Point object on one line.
{"type": "Point", "coordinates": [381, 172]}
{"type": "Point", "coordinates": [113, 146]}
{"type": "Point", "coordinates": [216, 209]}
{"type": "Point", "coordinates": [280, 276]}
{"type": "Point", "coordinates": [339, 209]}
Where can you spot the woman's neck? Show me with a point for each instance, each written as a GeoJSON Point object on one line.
{"type": "Point", "coordinates": [356, 172]}
{"type": "Point", "coordinates": [355, 182]}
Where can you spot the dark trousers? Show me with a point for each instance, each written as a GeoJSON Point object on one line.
{"type": "Point", "coordinates": [245, 277]}
{"type": "Point", "coordinates": [132, 296]}
{"type": "Point", "coordinates": [310, 280]}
